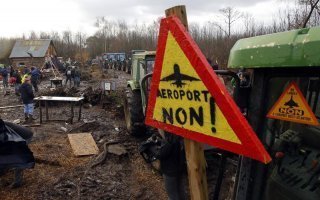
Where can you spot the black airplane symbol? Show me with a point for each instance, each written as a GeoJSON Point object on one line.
{"type": "Point", "coordinates": [178, 77]}
{"type": "Point", "coordinates": [291, 103]}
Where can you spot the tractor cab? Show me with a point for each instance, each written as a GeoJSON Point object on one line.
{"type": "Point", "coordinates": [282, 104]}
{"type": "Point", "coordinates": [137, 91]}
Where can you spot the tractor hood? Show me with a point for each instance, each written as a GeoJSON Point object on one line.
{"type": "Point", "coordinates": [297, 48]}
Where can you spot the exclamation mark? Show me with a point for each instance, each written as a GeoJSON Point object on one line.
{"type": "Point", "coordinates": [213, 114]}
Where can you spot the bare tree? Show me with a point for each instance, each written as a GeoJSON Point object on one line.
{"type": "Point", "coordinates": [230, 16]}
{"type": "Point", "coordinates": [33, 35]}
{"type": "Point", "coordinates": [249, 24]}
{"type": "Point", "coordinates": [313, 5]}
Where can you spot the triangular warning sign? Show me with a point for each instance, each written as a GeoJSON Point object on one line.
{"type": "Point", "coordinates": [292, 106]}
{"type": "Point", "coordinates": [188, 99]}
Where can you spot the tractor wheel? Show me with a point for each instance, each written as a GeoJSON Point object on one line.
{"type": "Point", "coordinates": [133, 113]}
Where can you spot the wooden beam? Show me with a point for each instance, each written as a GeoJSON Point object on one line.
{"type": "Point", "coordinates": [194, 151]}
{"type": "Point", "coordinates": [6, 107]}
{"type": "Point", "coordinates": [196, 170]}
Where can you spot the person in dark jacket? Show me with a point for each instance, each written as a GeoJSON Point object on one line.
{"type": "Point", "coordinates": [17, 75]}
{"type": "Point", "coordinates": [172, 164]}
{"type": "Point", "coordinates": [35, 75]}
{"type": "Point", "coordinates": [5, 76]}
{"type": "Point", "coordinates": [26, 70]}
{"type": "Point", "coordinates": [73, 69]}
{"type": "Point", "coordinates": [168, 149]}
{"type": "Point", "coordinates": [77, 75]}
{"type": "Point", "coordinates": [27, 99]}
{"type": "Point", "coordinates": [68, 75]}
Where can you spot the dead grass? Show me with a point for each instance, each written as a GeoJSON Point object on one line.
{"type": "Point", "coordinates": [147, 177]}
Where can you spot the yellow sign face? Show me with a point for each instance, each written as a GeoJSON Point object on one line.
{"type": "Point", "coordinates": [184, 101]}
{"type": "Point", "coordinates": [292, 106]}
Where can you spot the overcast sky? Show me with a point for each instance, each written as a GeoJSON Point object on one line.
{"type": "Point", "coordinates": [22, 16]}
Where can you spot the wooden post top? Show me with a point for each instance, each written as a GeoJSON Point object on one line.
{"type": "Point", "coordinates": [180, 12]}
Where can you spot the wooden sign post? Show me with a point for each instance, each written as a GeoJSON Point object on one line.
{"type": "Point", "coordinates": [194, 151]}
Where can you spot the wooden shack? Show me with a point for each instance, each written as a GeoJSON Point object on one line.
{"type": "Point", "coordinates": [32, 52]}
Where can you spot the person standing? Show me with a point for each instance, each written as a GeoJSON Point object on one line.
{"type": "Point", "coordinates": [11, 70]}
{"type": "Point", "coordinates": [77, 75]}
{"type": "Point", "coordinates": [26, 70]}
{"type": "Point", "coordinates": [172, 166]}
{"type": "Point", "coordinates": [5, 76]}
{"type": "Point", "coordinates": [17, 75]}
{"type": "Point", "coordinates": [73, 69]}
{"type": "Point", "coordinates": [35, 75]}
{"type": "Point", "coordinates": [24, 77]}
{"type": "Point", "coordinates": [68, 76]}
{"type": "Point", "coordinates": [27, 99]}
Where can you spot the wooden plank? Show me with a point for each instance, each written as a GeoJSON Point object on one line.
{"type": "Point", "coordinates": [83, 144]}
{"type": "Point", "coordinates": [196, 162]}
{"type": "Point", "coordinates": [31, 125]}
{"type": "Point", "coordinates": [6, 107]}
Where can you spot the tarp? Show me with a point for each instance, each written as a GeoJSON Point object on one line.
{"type": "Point", "coordinates": [14, 151]}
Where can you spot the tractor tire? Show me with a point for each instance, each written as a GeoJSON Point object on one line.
{"type": "Point", "coordinates": [133, 113]}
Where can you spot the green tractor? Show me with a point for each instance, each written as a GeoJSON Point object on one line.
{"type": "Point", "coordinates": [269, 63]}
{"type": "Point", "coordinates": [272, 63]}
{"type": "Point", "coordinates": [136, 97]}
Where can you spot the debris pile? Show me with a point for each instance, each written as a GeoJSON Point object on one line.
{"type": "Point", "coordinates": [86, 127]}
{"type": "Point", "coordinates": [92, 96]}
{"type": "Point", "coordinates": [58, 92]}
{"type": "Point", "coordinates": [85, 76]}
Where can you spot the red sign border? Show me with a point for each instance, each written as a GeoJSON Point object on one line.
{"type": "Point", "coordinates": [304, 101]}
{"type": "Point", "coordinates": [251, 145]}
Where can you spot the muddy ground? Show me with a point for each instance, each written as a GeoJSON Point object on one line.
{"type": "Point", "coordinates": [59, 174]}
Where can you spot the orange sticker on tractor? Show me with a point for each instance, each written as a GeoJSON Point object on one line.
{"type": "Point", "coordinates": [293, 107]}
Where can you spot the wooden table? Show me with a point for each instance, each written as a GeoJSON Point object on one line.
{"type": "Point", "coordinates": [72, 100]}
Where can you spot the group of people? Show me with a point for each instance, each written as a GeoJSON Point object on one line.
{"type": "Point", "coordinates": [23, 84]}
{"type": "Point", "coordinates": [14, 139]}
{"type": "Point", "coordinates": [14, 77]}
{"type": "Point", "coordinates": [26, 82]}
{"type": "Point", "coordinates": [73, 74]}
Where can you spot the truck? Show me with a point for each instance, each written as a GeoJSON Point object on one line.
{"type": "Point", "coordinates": [115, 60]}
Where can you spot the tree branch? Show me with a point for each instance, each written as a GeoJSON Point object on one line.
{"type": "Point", "coordinates": [217, 25]}
{"type": "Point", "coordinates": [313, 6]}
